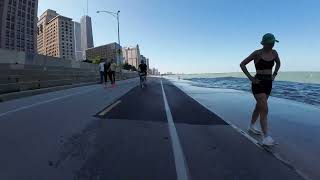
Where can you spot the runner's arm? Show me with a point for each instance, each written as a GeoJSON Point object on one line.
{"type": "Point", "coordinates": [246, 61]}
{"type": "Point", "coordinates": [278, 64]}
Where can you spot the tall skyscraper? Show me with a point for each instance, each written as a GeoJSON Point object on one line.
{"type": "Point", "coordinates": [18, 24]}
{"type": "Point", "coordinates": [148, 63]}
{"type": "Point", "coordinates": [55, 35]}
{"type": "Point", "coordinates": [77, 41]}
{"type": "Point", "coordinates": [86, 34]}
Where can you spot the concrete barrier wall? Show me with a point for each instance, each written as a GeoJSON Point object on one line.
{"type": "Point", "coordinates": [21, 71]}
{"type": "Point", "coordinates": [15, 57]}
{"type": "Point", "coordinates": [8, 56]}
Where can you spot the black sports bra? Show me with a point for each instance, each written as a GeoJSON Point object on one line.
{"type": "Point", "coordinates": [264, 65]}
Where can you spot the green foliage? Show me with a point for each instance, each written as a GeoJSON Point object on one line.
{"type": "Point", "coordinates": [129, 67]}
{"type": "Point", "coordinates": [87, 61]}
{"type": "Point", "coordinates": [126, 66]}
{"type": "Point", "coordinates": [96, 60]}
{"type": "Point", "coordinates": [133, 68]}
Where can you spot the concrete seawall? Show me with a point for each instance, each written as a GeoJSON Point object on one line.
{"type": "Point", "coordinates": [23, 58]}
{"type": "Point", "coordinates": [20, 71]}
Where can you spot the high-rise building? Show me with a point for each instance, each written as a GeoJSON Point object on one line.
{"type": "Point", "coordinates": [86, 34]}
{"type": "Point", "coordinates": [18, 23]}
{"type": "Point", "coordinates": [107, 52]}
{"type": "Point", "coordinates": [41, 35]}
{"type": "Point", "coordinates": [154, 71]}
{"type": "Point", "coordinates": [55, 35]}
{"type": "Point", "coordinates": [77, 41]}
{"type": "Point", "coordinates": [147, 62]}
{"type": "Point", "coordinates": [132, 55]}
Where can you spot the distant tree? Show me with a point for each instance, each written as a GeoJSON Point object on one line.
{"type": "Point", "coordinates": [133, 68]}
{"type": "Point", "coordinates": [126, 66]}
{"type": "Point", "coordinates": [129, 67]}
{"type": "Point", "coordinates": [87, 61]}
{"type": "Point", "coordinates": [95, 60]}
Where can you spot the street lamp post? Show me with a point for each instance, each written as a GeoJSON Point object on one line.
{"type": "Point", "coordinates": [116, 15]}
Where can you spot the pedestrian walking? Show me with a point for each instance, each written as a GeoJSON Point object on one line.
{"type": "Point", "coordinates": [101, 70]}
{"type": "Point", "coordinates": [112, 73]}
{"type": "Point", "coordinates": [106, 67]}
{"type": "Point", "coordinates": [264, 60]}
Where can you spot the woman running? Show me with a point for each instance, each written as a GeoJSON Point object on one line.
{"type": "Point", "coordinates": [264, 60]}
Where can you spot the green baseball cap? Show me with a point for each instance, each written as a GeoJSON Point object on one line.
{"type": "Point", "coordinates": [268, 38]}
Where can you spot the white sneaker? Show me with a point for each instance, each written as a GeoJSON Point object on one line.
{"type": "Point", "coordinates": [268, 141]}
{"type": "Point", "coordinates": [254, 130]}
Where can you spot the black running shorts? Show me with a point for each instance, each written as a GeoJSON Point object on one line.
{"type": "Point", "coordinates": [264, 86]}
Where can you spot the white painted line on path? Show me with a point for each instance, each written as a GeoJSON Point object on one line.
{"type": "Point", "coordinates": [104, 112]}
{"type": "Point", "coordinates": [179, 159]}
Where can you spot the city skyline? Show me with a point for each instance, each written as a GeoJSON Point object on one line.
{"type": "Point", "coordinates": [51, 36]}
{"type": "Point", "coordinates": [207, 36]}
{"type": "Point", "coordinates": [56, 31]}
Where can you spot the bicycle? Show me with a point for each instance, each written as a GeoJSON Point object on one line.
{"type": "Point", "coordinates": [143, 79]}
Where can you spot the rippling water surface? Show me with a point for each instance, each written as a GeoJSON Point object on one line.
{"type": "Point", "coordinates": [298, 91]}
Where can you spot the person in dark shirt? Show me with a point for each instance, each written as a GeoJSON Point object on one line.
{"type": "Point", "coordinates": [107, 65]}
{"type": "Point", "coordinates": [143, 68]}
{"type": "Point", "coordinates": [112, 73]}
{"type": "Point", "coordinates": [143, 71]}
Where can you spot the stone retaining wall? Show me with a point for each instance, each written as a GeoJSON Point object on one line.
{"type": "Point", "coordinates": [21, 71]}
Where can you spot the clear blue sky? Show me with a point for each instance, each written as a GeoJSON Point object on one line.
{"type": "Point", "coordinates": [202, 36]}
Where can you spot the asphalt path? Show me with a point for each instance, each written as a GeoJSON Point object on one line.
{"type": "Point", "coordinates": [126, 133]}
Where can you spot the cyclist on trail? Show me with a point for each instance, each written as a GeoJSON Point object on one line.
{"type": "Point", "coordinates": [143, 71]}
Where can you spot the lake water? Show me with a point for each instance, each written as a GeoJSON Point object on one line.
{"type": "Point", "coordinates": [298, 86]}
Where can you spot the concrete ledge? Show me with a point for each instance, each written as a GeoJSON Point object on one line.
{"type": "Point", "coordinates": [12, 87]}
{"type": "Point", "coordinates": [16, 95]}
{"type": "Point", "coordinates": [45, 86]}
{"type": "Point", "coordinates": [30, 85]}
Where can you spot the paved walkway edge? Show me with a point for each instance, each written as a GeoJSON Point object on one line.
{"type": "Point", "coordinates": [274, 154]}
{"type": "Point", "coordinates": [21, 94]}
